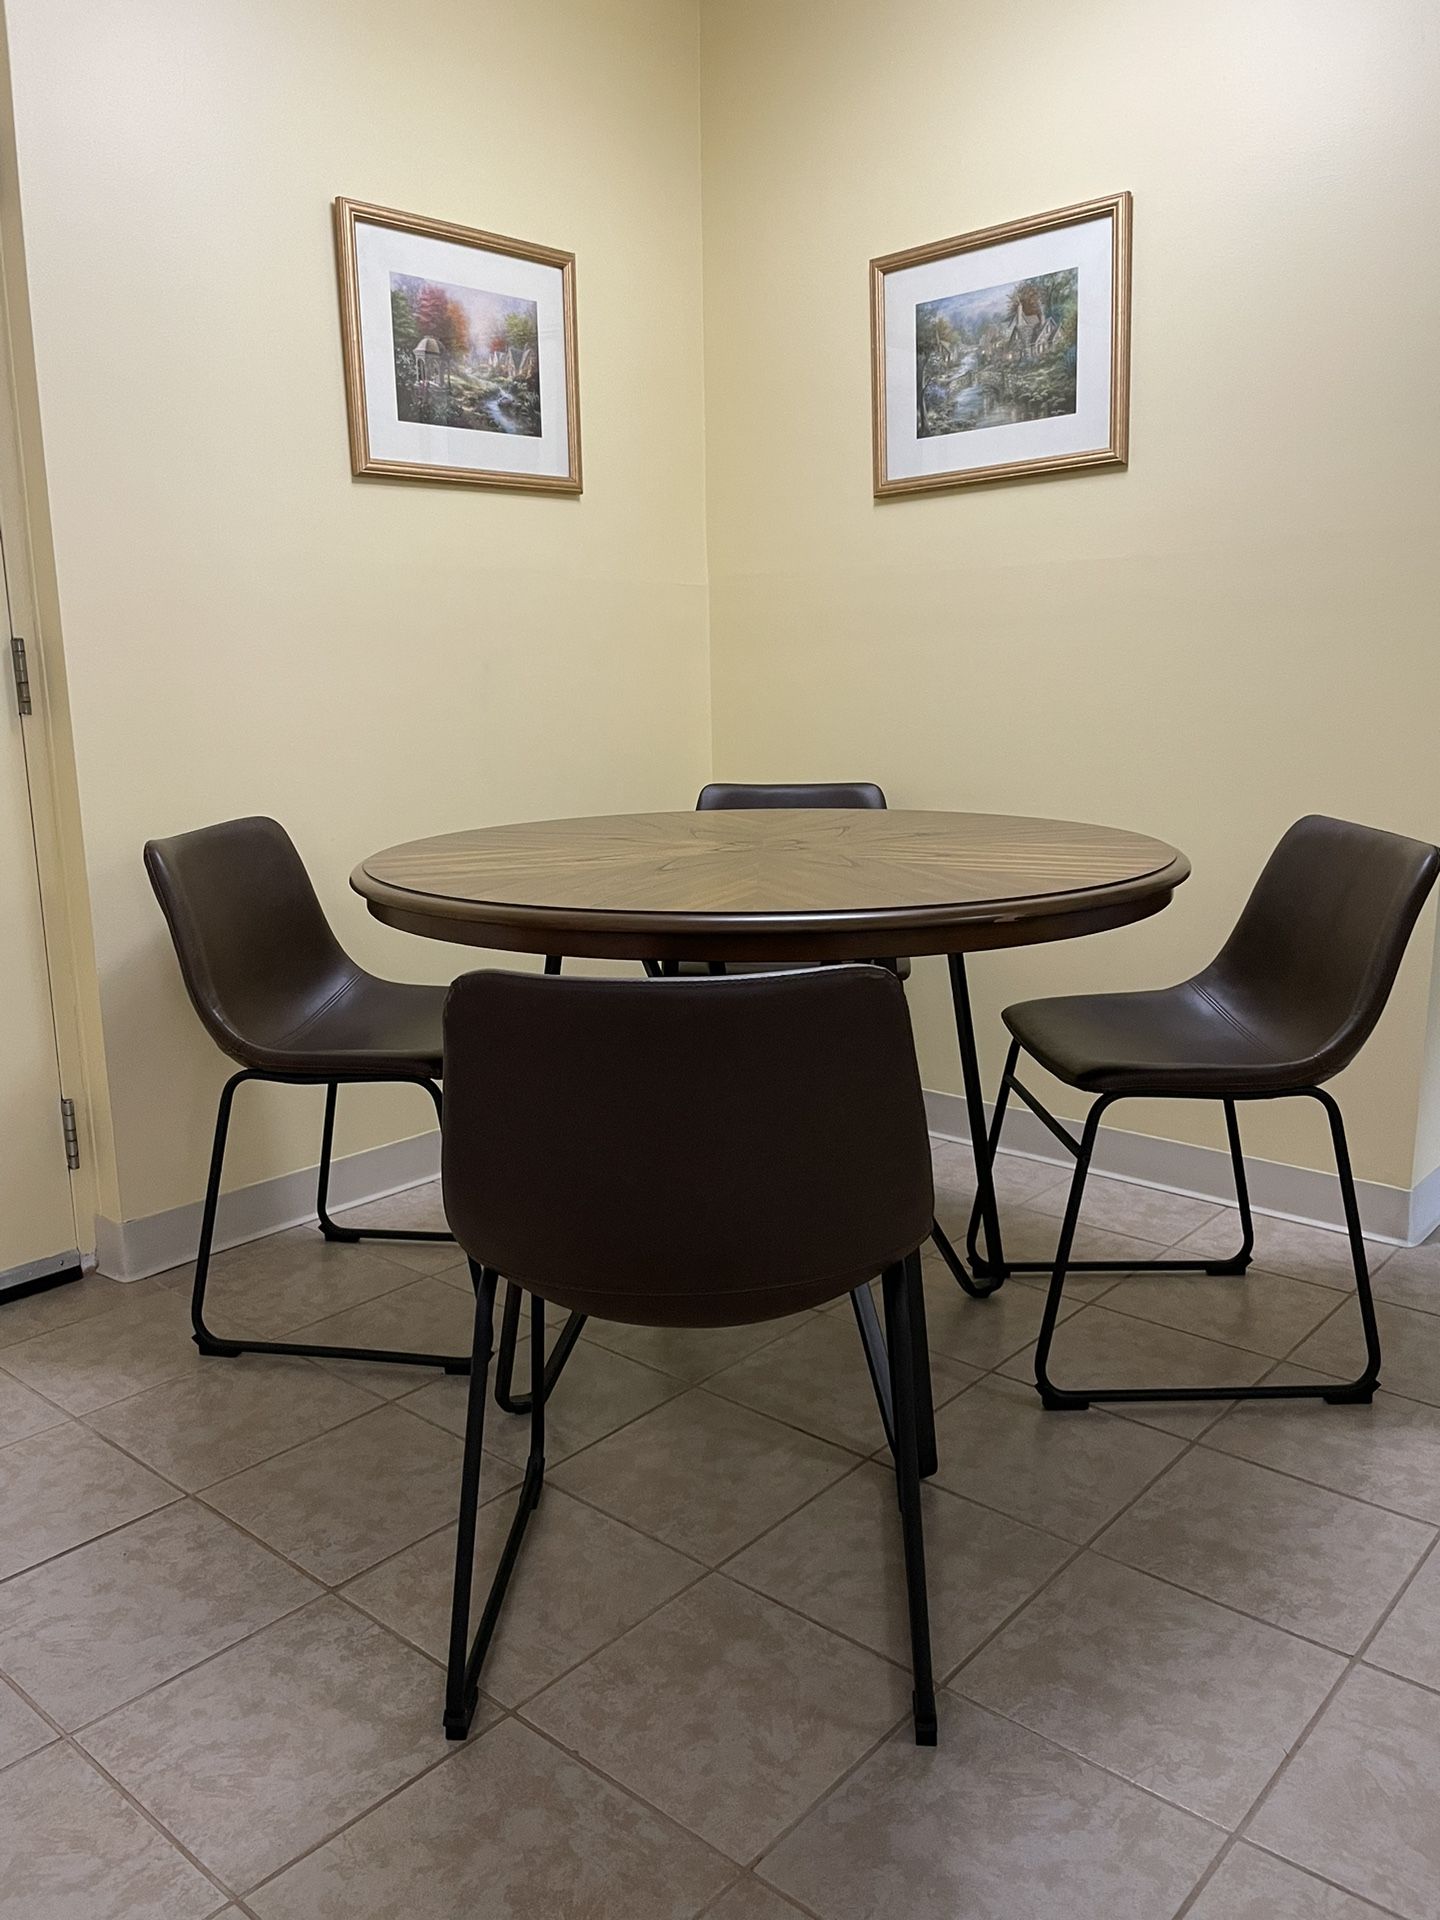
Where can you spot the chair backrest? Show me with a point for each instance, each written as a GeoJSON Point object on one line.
{"type": "Point", "coordinates": [1315, 952]}
{"type": "Point", "coordinates": [255, 949]}
{"type": "Point", "coordinates": [704, 1152]}
{"type": "Point", "coordinates": [831, 793]}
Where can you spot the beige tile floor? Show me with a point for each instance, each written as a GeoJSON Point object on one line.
{"type": "Point", "coordinates": [1190, 1660]}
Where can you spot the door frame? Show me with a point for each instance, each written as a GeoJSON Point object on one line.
{"type": "Point", "coordinates": [46, 734]}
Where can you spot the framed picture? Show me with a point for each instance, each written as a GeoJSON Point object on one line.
{"type": "Point", "coordinates": [459, 353]}
{"type": "Point", "coordinates": [1004, 352]}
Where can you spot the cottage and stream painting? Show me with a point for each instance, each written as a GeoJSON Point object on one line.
{"type": "Point", "coordinates": [997, 355]}
{"type": "Point", "coordinates": [459, 351]}
{"type": "Point", "coordinates": [1004, 353]}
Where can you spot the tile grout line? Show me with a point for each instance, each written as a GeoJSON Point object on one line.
{"type": "Point", "coordinates": [150, 1819]}
{"type": "Point", "coordinates": [748, 1874]}
{"type": "Point", "coordinates": [453, 1752]}
{"type": "Point", "coordinates": [746, 1866]}
{"type": "Point", "coordinates": [1235, 1840]}
{"type": "Point", "coordinates": [633, 1793]}
{"type": "Point", "coordinates": [206, 1660]}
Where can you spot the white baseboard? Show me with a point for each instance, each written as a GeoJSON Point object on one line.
{"type": "Point", "coordinates": [1424, 1208]}
{"type": "Point", "coordinates": [134, 1249]}
{"type": "Point", "coordinates": [1402, 1215]}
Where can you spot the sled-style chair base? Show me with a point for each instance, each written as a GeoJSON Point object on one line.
{"type": "Point", "coordinates": [227, 1347]}
{"type": "Point", "coordinates": [1290, 1000]}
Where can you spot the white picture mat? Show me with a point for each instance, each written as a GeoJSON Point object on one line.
{"type": "Point", "coordinates": [1087, 246]}
{"type": "Point", "coordinates": [381, 251]}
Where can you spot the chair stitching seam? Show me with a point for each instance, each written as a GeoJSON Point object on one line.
{"type": "Point", "coordinates": [1239, 1025]}
{"type": "Point", "coordinates": [319, 1013]}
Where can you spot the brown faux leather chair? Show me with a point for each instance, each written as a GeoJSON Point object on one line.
{"type": "Point", "coordinates": [717, 797]}
{"type": "Point", "coordinates": [685, 1153]}
{"type": "Point", "coordinates": [1291, 999]}
{"type": "Point", "coordinates": [720, 794]}
{"type": "Point", "coordinates": [277, 993]}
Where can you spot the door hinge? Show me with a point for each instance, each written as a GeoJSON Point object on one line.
{"type": "Point", "coordinates": [20, 667]}
{"type": "Point", "coordinates": [72, 1134]}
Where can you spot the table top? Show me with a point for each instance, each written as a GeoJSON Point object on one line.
{"type": "Point", "coordinates": [781, 884]}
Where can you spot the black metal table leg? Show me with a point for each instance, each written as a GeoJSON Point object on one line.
{"type": "Point", "coordinates": [990, 1272]}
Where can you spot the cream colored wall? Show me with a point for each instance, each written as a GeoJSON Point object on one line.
{"type": "Point", "coordinates": [245, 627]}
{"type": "Point", "coordinates": [1238, 629]}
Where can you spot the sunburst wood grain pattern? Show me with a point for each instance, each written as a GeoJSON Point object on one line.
{"type": "Point", "coordinates": [777, 885]}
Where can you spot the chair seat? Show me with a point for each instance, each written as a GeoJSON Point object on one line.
{"type": "Point", "coordinates": [1178, 1040]}
{"type": "Point", "coordinates": [369, 1027]}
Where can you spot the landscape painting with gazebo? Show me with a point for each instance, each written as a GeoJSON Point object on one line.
{"type": "Point", "coordinates": [465, 357]}
{"type": "Point", "coordinates": [997, 355]}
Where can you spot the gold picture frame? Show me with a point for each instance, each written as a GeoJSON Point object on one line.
{"type": "Point", "coordinates": [991, 357]}
{"type": "Point", "coordinates": [439, 409]}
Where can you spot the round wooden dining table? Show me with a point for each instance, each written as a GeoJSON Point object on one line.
{"type": "Point", "coordinates": [815, 884]}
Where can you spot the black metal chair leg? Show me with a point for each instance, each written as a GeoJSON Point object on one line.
{"type": "Point", "coordinates": [352, 1236]}
{"type": "Point", "coordinates": [1239, 1262]}
{"type": "Point", "coordinates": [926, 1456]}
{"type": "Point", "coordinates": [1051, 1396]}
{"type": "Point", "coordinates": [901, 1285]}
{"type": "Point", "coordinates": [460, 1695]}
{"type": "Point", "coordinates": [1361, 1391]}
{"type": "Point", "coordinates": [467, 1657]}
{"type": "Point", "coordinates": [322, 1190]}
{"type": "Point", "coordinates": [539, 1394]}
{"type": "Point", "coordinates": [208, 1342]}
{"type": "Point", "coordinates": [204, 1339]}
{"type": "Point", "coordinates": [505, 1398]}
{"type": "Point", "coordinates": [505, 1359]}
